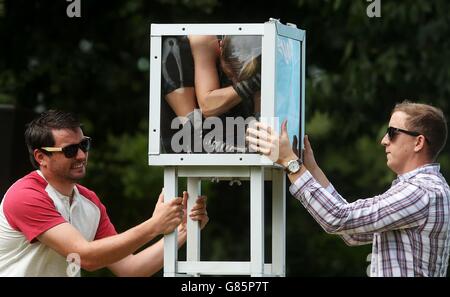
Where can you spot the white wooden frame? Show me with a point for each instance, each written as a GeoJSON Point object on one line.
{"type": "Point", "coordinates": [197, 167]}
{"type": "Point", "coordinates": [268, 31]}
{"type": "Point", "coordinates": [193, 266]}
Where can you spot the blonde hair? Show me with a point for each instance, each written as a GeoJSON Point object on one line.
{"type": "Point", "coordinates": [241, 55]}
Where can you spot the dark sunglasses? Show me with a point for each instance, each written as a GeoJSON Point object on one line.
{"type": "Point", "coordinates": [392, 132]}
{"type": "Point", "coordinates": [71, 151]}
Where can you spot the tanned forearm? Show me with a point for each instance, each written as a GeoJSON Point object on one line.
{"type": "Point", "coordinates": [100, 253]}
{"type": "Point", "coordinates": [320, 177]}
{"type": "Point", "coordinates": [219, 101]}
{"type": "Point", "coordinates": [147, 262]}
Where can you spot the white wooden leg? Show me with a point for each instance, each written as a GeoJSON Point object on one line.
{"type": "Point", "coordinates": [278, 222]}
{"type": "Point", "coordinates": [257, 221]}
{"type": "Point", "coordinates": [193, 227]}
{"type": "Point", "coordinates": [170, 240]}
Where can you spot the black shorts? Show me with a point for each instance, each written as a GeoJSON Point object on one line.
{"type": "Point", "coordinates": [177, 67]}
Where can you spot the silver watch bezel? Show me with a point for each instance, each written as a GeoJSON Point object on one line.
{"type": "Point", "coordinates": [296, 163]}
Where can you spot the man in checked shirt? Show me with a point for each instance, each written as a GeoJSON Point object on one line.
{"type": "Point", "coordinates": [409, 224]}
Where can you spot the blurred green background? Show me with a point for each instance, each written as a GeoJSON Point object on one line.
{"type": "Point", "coordinates": [97, 66]}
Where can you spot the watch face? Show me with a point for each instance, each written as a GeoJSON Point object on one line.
{"type": "Point", "coordinates": [293, 166]}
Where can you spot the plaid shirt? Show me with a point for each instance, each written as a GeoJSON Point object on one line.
{"type": "Point", "coordinates": [408, 225]}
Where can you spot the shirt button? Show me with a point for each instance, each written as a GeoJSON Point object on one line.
{"type": "Point", "coordinates": [307, 195]}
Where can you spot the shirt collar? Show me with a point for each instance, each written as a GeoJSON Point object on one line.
{"type": "Point", "coordinates": [432, 168]}
{"type": "Point", "coordinates": [61, 196]}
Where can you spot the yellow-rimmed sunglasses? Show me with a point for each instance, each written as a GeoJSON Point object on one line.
{"type": "Point", "coordinates": [71, 151]}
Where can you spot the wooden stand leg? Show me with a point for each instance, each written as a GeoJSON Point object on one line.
{"type": "Point", "coordinates": [257, 221]}
{"type": "Point", "coordinates": [278, 222]}
{"type": "Point", "coordinates": [193, 227]}
{"type": "Point", "coordinates": [170, 240]}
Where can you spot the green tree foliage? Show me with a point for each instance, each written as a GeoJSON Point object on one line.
{"type": "Point", "coordinates": [357, 69]}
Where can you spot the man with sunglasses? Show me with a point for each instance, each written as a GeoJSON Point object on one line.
{"type": "Point", "coordinates": [409, 224]}
{"type": "Point", "coordinates": [47, 219]}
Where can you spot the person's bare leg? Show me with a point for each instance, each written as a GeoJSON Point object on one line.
{"type": "Point", "coordinates": [182, 101]}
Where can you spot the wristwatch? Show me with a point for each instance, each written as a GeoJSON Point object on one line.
{"type": "Point", "coordinates": [293, 166]}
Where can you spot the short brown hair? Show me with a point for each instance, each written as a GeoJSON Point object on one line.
{"type": "Point", "coordinates": [428, 121]}
{"type": "Point", "coordinates": [39, 131]}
